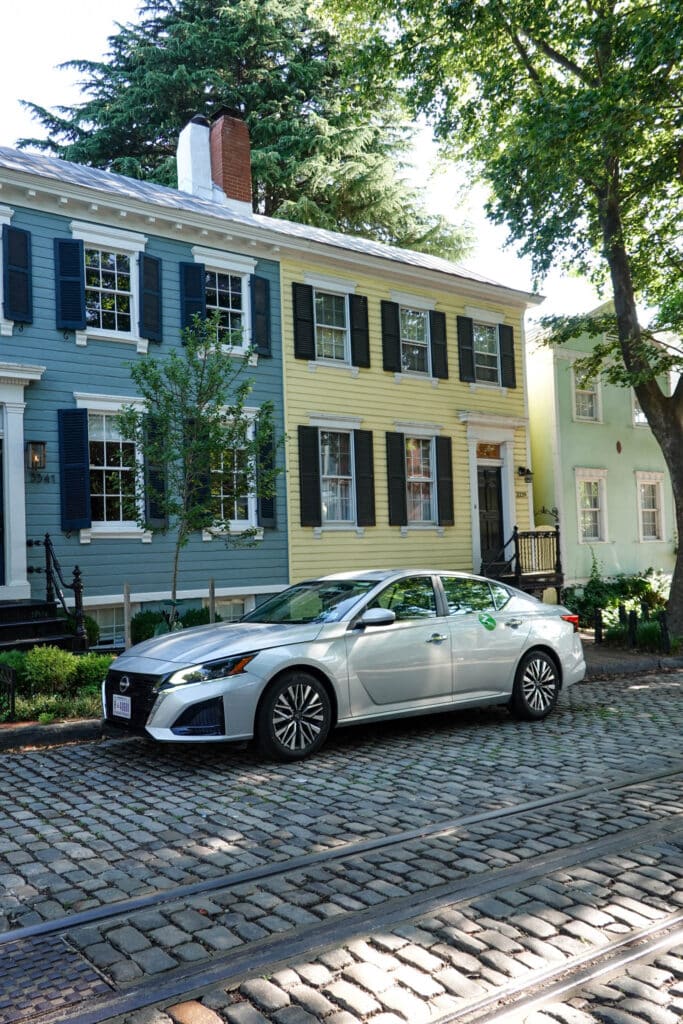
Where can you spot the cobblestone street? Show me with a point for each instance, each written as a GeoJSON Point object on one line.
{"type": "Point", "coordinates": [436, 869]}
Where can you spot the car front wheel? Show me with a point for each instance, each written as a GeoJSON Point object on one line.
{"type": "Point", "coordinates": [537, 686]}
{"type": "Point", "coordinates": [294, 718]}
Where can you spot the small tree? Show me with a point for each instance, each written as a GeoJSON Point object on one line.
{"type": "Point", "coordinates": [202, 453]}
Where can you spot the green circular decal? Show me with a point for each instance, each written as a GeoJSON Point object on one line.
{"type": "Point", "coordinates": [487, 621]}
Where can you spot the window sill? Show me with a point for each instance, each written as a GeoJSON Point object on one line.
{"type": "Point", "coordinates": [416, 375]}
{"type": "Point", "coordinates": [83, 337]}
{"type": "Point", "coordinates": [330, 364]}
{"type": "Point", "coordinates": [585, 419]}
{"type": "Point", "coordinates": [235, 530]}
{"type": "Point", "coordinates": [318, 531]}
{"type": "Point", "coordinates": [112, 533]}
{"type": "Point", "coordinates": [423, 528]}
{"type": "Point", "coordinates": [487, 386]}
{"type": "Point", "coordinates": [6, 327]}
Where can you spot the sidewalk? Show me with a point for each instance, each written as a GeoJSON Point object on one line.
{"type": "Point", "coordinates": [601, 662]}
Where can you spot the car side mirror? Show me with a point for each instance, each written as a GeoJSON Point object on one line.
{"type": "Point", "coordinates": [377, 617]}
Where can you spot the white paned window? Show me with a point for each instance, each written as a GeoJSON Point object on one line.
{"type": "Point", "coordinates": [225, 295]}
{"type": "Point", "coordinates": [231, 609]}
{"type": "Point", "coordinates": [420, 484]}
{"type": "Point", "coordinates": [414, 325]}
{"type": "Point", "coordinates": [111, 623]}
{"type": "Point", "coordinates": [336, 477]}
{"type": "Point", "coordinates": [591, 505]}
{"type": "Point", "coordinates": [650, 509]}
{"type": "Point", "coordinates": [639, 418]}
{"type": "Point", "coordinates": [231, 498]}
{"type": "Point", "coordinates": [486, 354]}
{"type": "Point", "coordinates": [586, 398]}
{"type": "Point", "coordinates": [331, 327]}
{"type": "Point", "coordinates": [112, 473]}
{"type": "Point", "coordinates": [108, 291]}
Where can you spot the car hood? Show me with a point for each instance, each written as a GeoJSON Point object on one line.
{"type": "Point", "coordinates": [205, 643]}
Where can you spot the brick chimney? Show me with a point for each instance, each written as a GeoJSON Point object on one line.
{"type": "Point", "coordinates": [231, 156]}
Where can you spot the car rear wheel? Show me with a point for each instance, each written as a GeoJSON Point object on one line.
{"type": "Point", "coordinates": [537, 686]}
{"type": "Point", "coordinates": [294, 718]}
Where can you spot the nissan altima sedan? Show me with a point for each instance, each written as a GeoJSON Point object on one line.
{"type": "Point", "coordinates": [353, 647]}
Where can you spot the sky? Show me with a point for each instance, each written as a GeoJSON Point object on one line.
{"type": "Point", "coordinates": [38, 35]}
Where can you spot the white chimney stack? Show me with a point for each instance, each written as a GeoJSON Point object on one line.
{"type": "Point", "coordinates": [194, 159]}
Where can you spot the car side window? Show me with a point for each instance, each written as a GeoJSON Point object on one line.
{"type": "Point", "coordinates": [501, 596]}
{"type": "Point", "coordinates": [464, 596]}
{"type": "Point", "coordinates": [410, 598]}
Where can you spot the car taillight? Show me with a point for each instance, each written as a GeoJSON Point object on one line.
{"type": "Point", "coordinates": [574, 619]}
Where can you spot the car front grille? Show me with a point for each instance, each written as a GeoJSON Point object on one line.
{"type": "Point", "coordinates": [142, 690]}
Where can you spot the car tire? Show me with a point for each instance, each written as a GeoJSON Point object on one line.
{"type": "Point", "coordinates": [294, 718]}
{"type": "Point", "coordinates": [537, 686]}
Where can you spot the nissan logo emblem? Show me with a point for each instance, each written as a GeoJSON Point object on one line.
{"type": "Point", "coordinates": [124, 684]}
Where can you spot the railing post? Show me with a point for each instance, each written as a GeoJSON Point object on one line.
{"type": "Point", "coordinates": [81, 643]}
{"type": "Point", "coordinates": [49, 584]}
{"type": "Point", "coordinates": [558, 556]}
{"type": "Point", "coordinates": [632, 626]}
{"type": "Point", "coordinates": [666, 636]}
{"type": "Point", "coordinates": [518, 563]}
{"type": "Point", "coordinates": [597, 623]}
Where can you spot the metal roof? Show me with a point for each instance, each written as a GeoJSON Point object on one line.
{"type": "Point", "coordinates": [64, 172]}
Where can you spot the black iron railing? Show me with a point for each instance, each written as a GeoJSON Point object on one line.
{"type": "Point", "coordinates": [55, 584]}
{"type": "Point", "coordinates": [530, 559]}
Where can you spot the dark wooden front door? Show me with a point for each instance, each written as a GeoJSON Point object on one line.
{"type": "Point", "coordinates": [490, 513]}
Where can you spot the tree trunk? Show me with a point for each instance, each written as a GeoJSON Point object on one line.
{"type": "Point", "coordinates": [663, 413]}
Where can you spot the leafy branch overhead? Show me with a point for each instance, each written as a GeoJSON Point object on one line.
{"type": "Point", "coordinates": [328, 128]}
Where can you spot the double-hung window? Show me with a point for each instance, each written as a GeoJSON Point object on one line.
{"type": "Point", "coordinates": [331, 327]}
{"type": "Point", "coordinates": [420, 480]}
{"type": "Point", "coordinates": [639, 417]}
{"type": "Point", "coordinates": [650, 507]}
{"type": "Point", "coordinates": [586, 398]}
{"type": "Point", "coordinates": [233, 499]}
{"type": "Point", "coordinates": [591, 504]}
{"type": "Point", "coordinates": [336, 474]}
{"type": "Point", "coordinates": [414, 340]}
{"type": "Point", "coordinates": [413, 336]}
{"type": "Point", "coordinates": [108, 288]}
{"type": "Point", "coordinates": [486, 350]}
{"type": "Point", "coordinates": [330, 323]}
{"type": "Point", "coordinates": [113, 499]}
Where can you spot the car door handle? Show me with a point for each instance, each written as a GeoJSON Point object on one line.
{"type": "Point", "coordinates": [514, 623]}
{"type": "Point", "coordinates": [436, 638]}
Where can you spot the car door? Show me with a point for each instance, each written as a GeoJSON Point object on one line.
{"type": "Point", "coordinates": [406, 663]}
{"type": "Point", "coordinates": [487, 633]}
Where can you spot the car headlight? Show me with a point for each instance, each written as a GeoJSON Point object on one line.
{"type": "Point", "coordinates": [210, 670]}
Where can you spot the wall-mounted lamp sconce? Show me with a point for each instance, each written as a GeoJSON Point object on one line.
{"type": "Point", "coordinates": [36, 455]}
{"type": "Point", "coordinates": [526, 473]}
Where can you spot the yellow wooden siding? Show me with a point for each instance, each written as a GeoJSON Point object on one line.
{"type": "Point", "coordinates": [375, 396]}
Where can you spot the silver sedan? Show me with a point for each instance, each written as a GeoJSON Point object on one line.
{"type": "Point", "coordinates": [348, 648]}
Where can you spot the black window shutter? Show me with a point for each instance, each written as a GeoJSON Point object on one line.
{"type": "Point", "coordinates": [437, 337]}
{"type": "Point", "coordinates": [444, 481]}
{"type": "Point", "coordinates": [309, 476]}
{"type": "Point", "coordinates": [304, 326]}
{"type": "Point", "coordinates": [155, 482]}
{"type": "Point", "coordinates": [16, 270]}
{"type": "Point", "coordinates": [365, 477]}
{"type": "Point", "coordinates": [396, 480]}
{"type": "Point", "coordinates": [507, 356]}
{"type": "Point", "coordinates": [360, 334]}
{"type": "Point", "coordinates": [150, 297]}
{"type": "Point", "coordinates": [70, 282]}
{"type": "Point", "coordinates": [266, 505]}
{"type": "Point", "coordinates": [391, 337]}
{"type": "Point", "coordinates": [74, 469]}
{"type": "Point", "coordinates": [260, 315]}
{"type": "Point", "coordinates": [466, 347]}
{"type": "Point", "coordinates": [192, 292]}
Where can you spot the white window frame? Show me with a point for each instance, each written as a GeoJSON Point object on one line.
{"type": "Point", "coordinates": [127, 243]}
{"type": "Point", "coordinates": [251, 522]}
{"type": "Point", "coordinates": [430, 439]}
{"type": "Point", "coordinates": [238, 266]}
{"type": "Point", "coordinates": [330, 360]}
{"type": "Point", "coordinates": [639, 419]}
{"type": "Point", "coordinates": [599, 476]}
{"type": "Point", "coordinates": [596, 390]}
{"type": "Point", "coordinates": [481, 381]}
{"type": "Point", "coordinates": [351, 522]}
{"type": "Point", "coordinates": [6, 326]}
{"type": "Point", "coordinates": [110, 405]}
{"type": "Point", "coordinates": [656, 480]}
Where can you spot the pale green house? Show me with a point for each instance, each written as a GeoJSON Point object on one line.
{"type": "Point", "coordinates": [596, 466]}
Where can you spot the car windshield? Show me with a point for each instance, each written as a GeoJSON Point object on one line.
{"type": "Point", "coordinates": [318, 601]}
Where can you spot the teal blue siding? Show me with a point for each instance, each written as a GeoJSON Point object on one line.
{"type": "Point", "coordinates": [102, 367]}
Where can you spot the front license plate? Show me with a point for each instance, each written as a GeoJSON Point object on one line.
{"type": "Point", "coordinates": [120, 706]}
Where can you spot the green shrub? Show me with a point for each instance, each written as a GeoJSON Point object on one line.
{"type": "Point", "coordinates": [92, 628]}
{"type": "Point", "coordinates": [196, 617]}
{"type": "Point", "coordinates": [48, 707]}
{"type": "Point", "coordinates": [91, 669]}
{"type": "Point", "coordinates": [649, 588]}
{"type": "Point", "coordinates": [50, 670]}
{"type": "Point", "coordinates": [143, 624]}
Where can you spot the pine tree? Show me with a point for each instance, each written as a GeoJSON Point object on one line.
{"type": "Point", "coordinates": [328, 131]}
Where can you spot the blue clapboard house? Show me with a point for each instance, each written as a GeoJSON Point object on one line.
{"type": "Point", "coordinates": [98, 271]}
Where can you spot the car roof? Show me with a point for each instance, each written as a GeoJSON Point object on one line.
{"type": "Point", "coordinates": [378, 575]}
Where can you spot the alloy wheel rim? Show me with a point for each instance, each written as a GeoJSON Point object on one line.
{"type": "Point", "coordinates": [539, 684]}
{"type": "Point", "coordinates": [298, 716]}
